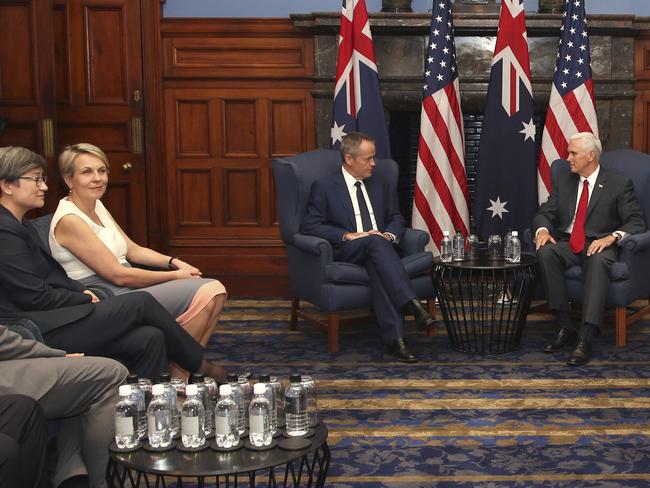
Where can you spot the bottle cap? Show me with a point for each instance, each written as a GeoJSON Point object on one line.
{"type": "Point", "coordinates": [259, 388]}
{"type": "Point", "coordinates": [164, 377]}
{"type": "Point", "coordinates": [232, 378]}
{"type": "Point", "coordinates": [265, 378]}
{"type": "Point", "coordinates": [445, 233]}
{"type": "Point", "coordinates": [197, 378]}
{"type": "Point", "coordinates": [295, 378]}
{"type": "Point", "coordinates": [515, 233]}
{"type": "Point", "coordinates": [191, 389]}
{"type": "Point", "coordinates": [132, 379]}
{"type": "Point", "coordinates": [157, 389]}
{"type": "Point", "coordinates": [225, 389]}
{"type": "Point", "coordinates": [125, 390]}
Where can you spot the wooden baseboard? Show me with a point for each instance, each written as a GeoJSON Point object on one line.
{"type": "Point", "coordinates": [240, 286]}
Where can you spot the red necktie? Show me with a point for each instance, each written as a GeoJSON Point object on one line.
{"type": "Point", "coordinates": [577, 240]}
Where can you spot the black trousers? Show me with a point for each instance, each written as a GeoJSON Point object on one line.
{"type": "Point", "coordinates": [133, 328]}
{"type": "Point", "coordinates": [390, 286]}
{"type": "Point", "coordinates": [23, 443]}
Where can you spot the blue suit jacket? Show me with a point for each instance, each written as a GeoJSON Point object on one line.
{"type": "Point", "coordinates": [330, 213]}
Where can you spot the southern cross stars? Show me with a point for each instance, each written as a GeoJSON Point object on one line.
{"type": "Point", "coordinates": [497, 208]}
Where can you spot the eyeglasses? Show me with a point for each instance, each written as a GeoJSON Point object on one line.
{"type": "Point", "coordinates": [37, 179]}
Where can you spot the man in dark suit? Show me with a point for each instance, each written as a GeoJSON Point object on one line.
{"type": "Point", "coordinates": [358, 214]}
{"type": "Point", "coordinates": [588, 212]}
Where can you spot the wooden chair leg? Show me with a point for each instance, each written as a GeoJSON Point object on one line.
{"type": "Point", "coordinates": [431, 307]}
{"type": "Point", "coordinates": [333, 332]}
{"type": "Point", "coordinates": [621, 326]}
{"type": "Point", "coordinates": [295, 304]}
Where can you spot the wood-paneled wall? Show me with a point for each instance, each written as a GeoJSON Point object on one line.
{"type": "Point", "coordinates": [641, 130]}
{"type": "Point", "coordinates": [236, 94]}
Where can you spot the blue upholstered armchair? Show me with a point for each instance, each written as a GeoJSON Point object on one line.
{"type": "Point", "coordinates": [314, 275]}
{"type": "Point", "coordinates": [631, 274]}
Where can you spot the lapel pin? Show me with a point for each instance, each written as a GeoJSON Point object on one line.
{"type": "Point", "coordinates": [599, 185]}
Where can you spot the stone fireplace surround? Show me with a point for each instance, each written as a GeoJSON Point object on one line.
{"type": "Point", "coordinates": [400, 46]}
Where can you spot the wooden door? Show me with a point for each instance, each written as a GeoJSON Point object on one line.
{"type": "Point", "coordinates": [98, 73]}
{"type": "Point", "coordinates": [26, 73]}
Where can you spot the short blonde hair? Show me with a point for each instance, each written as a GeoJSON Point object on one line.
{"type": "Point", "coordinates": [590, 142]}
{"type": "Point", "coordinates": [70, 153]}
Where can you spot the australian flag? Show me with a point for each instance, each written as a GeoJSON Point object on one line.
{"type": "Point", "coordinates": [357, 99]}
{"type": "Point", "coordinates": [506, 187]}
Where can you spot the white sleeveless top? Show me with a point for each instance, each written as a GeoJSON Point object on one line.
{"type": "Point", "coordinates": [108, 234]}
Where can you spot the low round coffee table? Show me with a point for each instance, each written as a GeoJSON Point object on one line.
{"type": "Point", "coordinates": [485, 303]}
{"type": "Point", "coordinates": [302, 467]}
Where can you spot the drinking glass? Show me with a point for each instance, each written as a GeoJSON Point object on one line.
{"type": "Point", "coordinates": [472, 246]}
{"type": "Point", "coordinates": [494, 248]}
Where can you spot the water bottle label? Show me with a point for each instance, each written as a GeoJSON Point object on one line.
{"type": "Point", "coordinates": [257, 424]}
{"type": "Point", "coordinates": [124, 425]}
{"type": "Point", "coordinates": [190, 425]}
{"type": "Point", "coordinates": [222, 425]}
{"type": "Point", "coordinates": [151, 424]}
{"type": "Point", "coordinates": [292, 405]}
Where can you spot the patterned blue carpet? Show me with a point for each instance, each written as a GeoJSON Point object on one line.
{"type": "Point", "coordinates": [522, 419]}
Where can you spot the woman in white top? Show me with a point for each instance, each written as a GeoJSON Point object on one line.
{"type": "Point", "coordinates": [93, 249]}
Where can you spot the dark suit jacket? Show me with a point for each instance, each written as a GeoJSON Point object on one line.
{"type": "Point", "coordinates": [330, 213]}
{"type": "Point", "coordinates": [32, 284]}
{"type": "Point", "coordinates": [612, 207]}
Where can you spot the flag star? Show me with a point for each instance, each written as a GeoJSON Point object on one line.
{"type": "Point", "coordinates": [579, 74]}
{"type": "Point", "coordinates": [561, 29]}
{"type": "Point", "coordinates": [443, 64]}
{"type": "Point", "coordinates": [564, 14]}
{"type": "Point", "coordinates": [583, 47]}
{"type": "Point", "coordinates": [574, 17]}
{"type": "Point", "coordinates": [584, 34]}
{"type": "Point", "coordinates": [427, 73]}
{"type": "Point", "coordinates": [449, 24]}
{"type": "Point", "coordinates": [446, 50]}
{"type": "Point", "coordinates": [438, 19]}
{"type": "Point", "coordinates": [581, 61]}
{"type": "Point", "coordinates": [567, 57]}
{"type": "Point", "coordinates": [425, 87]}
{"type": "Point", "coordinates": [436, 32]}
{"type": "Point", "coordinates": [497, 208]}
{"type": "Point", "coordinates": [434, 46]}
{"type": "Point", "coordinates": [564, 84]}
{"type": "Point", "coordinates": [570, 44]}
{"type": "Point", "coordinates": [439, 77]}
{"type": "Point", "coordinates": [529, 130]}
{"type": "Point", "coordinates": [442, 4]}
{"type": "Point", "coordinates": [572, 30]}
{"type": "Point", "coordinates": [565, 71]}
{"type": "Point", "coordinates": [430, 59]}
{"type": "Point", "coordinates": [337, 133]}
{"type": "Point", "coordinates": [577, 3]}
{"type": "Point", "coordinates": [448, 37]}
{"type": "Point", "coordinates": [453, 69]}
{"type": "Point", "coordinates": [555, 69]}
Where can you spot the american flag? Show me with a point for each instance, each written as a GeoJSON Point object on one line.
{"type": "Point", "coordinates": [357, 99]}
{"type": "Point", "coordinates": [441, 198]}
{"type": "Point", "coordinates": [506, 194]}
{"type": "Point", "coordinates": [571, 108]}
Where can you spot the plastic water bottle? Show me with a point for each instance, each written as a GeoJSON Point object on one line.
{"type": "Point", "coordinates": [516, 247]}
{"type": "Point", "coordinates": [445, 247]}
{"type": "Point", "coordinates": [507, 247]}
{"type": "Point", "coordinates": [137, 395]}
{"type": "Point", "coordinates": [248, 394]}
{"type": "Point", "coordinates": [259, 415]}
{"type": "Point", "coordinates": [226, 419]}
{"type": "Point", "coordinates": [278, 391]}
{"type": "Point", "coordinates": [198, 380]}
{"type": "Point", "coordinates": [312, 401]}
{"type": "Point", "coordinates": [270, 396]}
{"type": "Point", "coordinates": [240, 401]}
{"type": "Point", "coordinates": [295, 405]}
{"type": "Point", "coordinates": [165, 379]}
{"type": "Point", "coordinates": [210, 398]}
{"type": "Point", "coordinates": [192, 419]}
{"type": "Point", "coordinates": [126, 420]}
{"type": "Point", "coordinates": [159, 418]}
{"type": "Point", "coordinates": [458, 247]}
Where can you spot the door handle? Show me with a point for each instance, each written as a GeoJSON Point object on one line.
{"type": "Point", "coordinates": [127, 166]}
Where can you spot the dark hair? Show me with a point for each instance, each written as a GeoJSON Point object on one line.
{"type": "Point", "coordinates": [16, 161]}
{"type": "Point", "coordinates": [351, 142]}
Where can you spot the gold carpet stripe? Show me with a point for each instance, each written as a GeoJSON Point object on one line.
{"type": "Point", "coordinates": [336, 434]}
{"type": "Point", "coordinates": [488, 384]}
{"type": "Point", "coordinates": [527, 403]}
{"type": "Point", "coordinates": [393, 479]}
{"type": "Point", "coordinates": [433, 364]}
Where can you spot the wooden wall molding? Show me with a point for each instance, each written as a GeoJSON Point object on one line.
{"type": "Point", "coordinates": [641, 127]}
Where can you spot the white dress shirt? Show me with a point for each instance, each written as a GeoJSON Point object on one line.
{"type": "Point", "coordinates": [350, 182]}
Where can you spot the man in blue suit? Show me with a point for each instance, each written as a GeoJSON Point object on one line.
{"type": "Point", "coordinates": [358, 214]}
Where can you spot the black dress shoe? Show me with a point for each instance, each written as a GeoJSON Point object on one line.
{"type": "Point", "coordinates": [423, 318]}
{"type": "Point", "coordinates": [581, 354]}
{"type": "Point", "coordinates": [399, 350]}
{"type": "Point", "coordinates": [79, 481]}
{"type": "Point", "coordinates": [564, 337]}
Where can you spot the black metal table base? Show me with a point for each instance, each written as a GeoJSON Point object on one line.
{"type": "Point", "coordinates": [485, 303]}
{"type": "Point", "coordinates": [309, 470]}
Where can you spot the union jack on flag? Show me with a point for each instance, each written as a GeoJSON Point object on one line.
{"type": "Point", "coordinates": [506, 194]}
{"type": "Point", "coordinates": [571, 108]}
{"type": "Point", "coordinates": [357, 100]}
